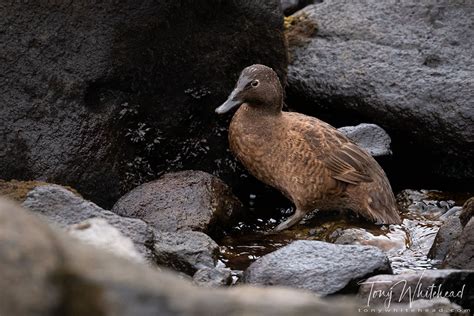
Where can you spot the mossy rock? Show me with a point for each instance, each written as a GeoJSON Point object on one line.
{"type": "Point", "coordinates": [18, 190]}
{"type": "Point", "coordinates": [299, 28]}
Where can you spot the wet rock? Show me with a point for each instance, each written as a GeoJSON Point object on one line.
{"type": "Point", "coordinates": [453, 211]}
{"type": "Point", "coordinates": [318, 266]}
{"type": "Point", "coordinates": [370, 137]}
{"type": "Point", "coordinates": [187, 200]}
{"type": "Point", "coordinates": [392, 241]}
{"type": "Point", "coordinates": [99, 233]}
{"type": "Point", "coordinates": [467, 211]}
{"type": "Point", "coordinates": [186, 251]}
{"type": "Point", "coordinates": [406, 68]}
{"type": "Point", "coordinates": [93, 110]}
{"type": "Point", "coordinates": [426, 284]}
{"type": "Point", "coordinates": [63, 208]}
{"type": "Point", "coordinates": [461, 254]}
{"type": "Point", "coordinates": [429, 203]}
{"type": "Point", "coordinates": [45, 273]}
{"type": "Point", "coordinates": [213, 277]}
{"type": "Point", "coordinates": [447, 234]}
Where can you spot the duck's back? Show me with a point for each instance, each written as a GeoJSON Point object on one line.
{"type": "Point", "coordinates": [313, 164]}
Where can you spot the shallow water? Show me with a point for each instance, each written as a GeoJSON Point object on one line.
{"type": "Point", "coordinates": [407, 245]}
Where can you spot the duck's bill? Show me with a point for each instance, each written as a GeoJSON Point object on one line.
{"type": "Point", "coordinates": [229, 104]}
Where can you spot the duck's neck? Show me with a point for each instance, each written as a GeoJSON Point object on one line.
{"type": "Point", "coordinates": [251, 120]}
{"type": "Point", "coordinates": [261, 110]}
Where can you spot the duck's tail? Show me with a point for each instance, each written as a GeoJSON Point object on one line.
{"type": "Point", "coordinates": [381, 207]}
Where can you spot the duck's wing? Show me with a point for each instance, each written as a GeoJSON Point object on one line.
{"type": "Point", "coordinates": [344, 159]}
{"type": "Point", "coordinates": [347, 164]}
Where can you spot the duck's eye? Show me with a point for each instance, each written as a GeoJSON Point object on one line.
{"type": "Point", "coordinates": [255, 83]}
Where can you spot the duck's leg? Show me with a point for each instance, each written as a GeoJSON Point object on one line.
{"type": "Point", "coordinates": [292, 220]}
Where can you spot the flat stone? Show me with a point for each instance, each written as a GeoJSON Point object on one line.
{"type": "Point", "coordinates": [99, 233]}
{"type": "Point", "coordinates": [321, 267]}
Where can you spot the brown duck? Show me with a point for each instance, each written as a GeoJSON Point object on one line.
{"type": "Point", "coordinates": [308, 160]}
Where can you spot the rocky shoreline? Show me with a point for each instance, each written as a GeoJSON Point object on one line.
{"type": "Point", "coordinates": [346, 268]}
{"type": "Point", "coordinates": [119, 196]}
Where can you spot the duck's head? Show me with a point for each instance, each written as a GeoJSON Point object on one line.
{"type": "Point", "coordinates": [259, 87]}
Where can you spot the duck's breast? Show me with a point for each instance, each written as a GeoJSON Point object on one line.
{"type": "Point", "coordinates": [277, 153]}
{"type": "Point", "coordinates": [258, 146]}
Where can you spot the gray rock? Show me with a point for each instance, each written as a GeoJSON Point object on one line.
{"type": "Point", "coordinates": [431, 203]}
{"type": "Point", "coordinates": [426, 284]}
{"type": "Point", "coordinates": [44, 273]}
{"type": "Point", "coordinates": [453, 211]}
{"type": "Point", "coordinates": [186, 200]}
{"type": "Point", "coordinates": [28, 263]}
{"type": "Point", "coordinates": [99, 233]}
{"type": "Point", "coordinates": [467, 211]}
{"type": "Point", "coordinates": [447, 234]}
{"type": "Point", "coordinates": [213, 277]}
{"type": "Point", "coordinates": [63, 208]}
{"type": "Point", "coordinates": [370, 137]}
{"type": "Point", "coordinates": [405, 67]}
{"type": "Point", "coordinates": [461, 254]}
{"type": "Point", "coordinates": [186, 251]}
{"type": "Point", "coordinates": [318, 266]}
{"type": "Point", "coordinates": [104, 110]}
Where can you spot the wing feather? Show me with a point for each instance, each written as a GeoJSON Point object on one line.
{"type": "Point", "coordinates": [344, 159]}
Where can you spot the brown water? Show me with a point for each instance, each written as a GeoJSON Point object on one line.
{"type": "Point", "coordinates": [407, 245]}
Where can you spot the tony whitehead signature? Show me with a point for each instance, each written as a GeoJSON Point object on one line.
{"type": "Point", "coordinates": [400, 290]}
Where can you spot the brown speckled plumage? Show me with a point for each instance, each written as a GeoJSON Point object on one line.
{"type": "Point", "coordinates": [308, 160]}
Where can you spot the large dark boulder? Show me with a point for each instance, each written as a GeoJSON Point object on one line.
{"type": "Point", "coordinates": [405, 66]}
{"type": "Point", "coordinates": [106, 95]}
